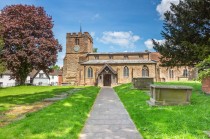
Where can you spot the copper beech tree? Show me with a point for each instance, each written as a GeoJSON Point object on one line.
{"type": "Point", "coordinates": [28, 38]}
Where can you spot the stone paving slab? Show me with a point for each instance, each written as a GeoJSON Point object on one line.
{"type": "Point", "coordinates": [109, 116]}
{"type": "Point", "coordinates": [109, 119]}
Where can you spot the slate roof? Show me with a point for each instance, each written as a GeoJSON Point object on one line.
{"type": "Point", "coordinates": [111, 61]}
{"type": "Point", "coordinates": [56, 72]}
{"type": "Point", "coordinates": [33, 73]}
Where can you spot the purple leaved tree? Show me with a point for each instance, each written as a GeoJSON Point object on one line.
{"type": "Point", "coordinates": [29, 42]}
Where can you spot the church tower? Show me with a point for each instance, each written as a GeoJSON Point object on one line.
{"type": "Point", "coordinates": [77, 46]}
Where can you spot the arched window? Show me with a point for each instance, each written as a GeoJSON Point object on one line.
{"type": "Point", "coordinates": [145, 71]}
{"type": "Point", "coordinates": [185, 73]}
{"type": "Point", "coordinates": [125, 71]}
{"type": "Point", "coordinates": [171, 73]}
{"type": "Point", "coordinates": [90, 72]}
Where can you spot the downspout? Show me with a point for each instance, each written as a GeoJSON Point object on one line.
{"type": "Point", "coordinates": [155, 72]}
{"type": "Point", "coordinates": [84, 75]}
{"type": "Point", "coordinates": [132, 75]}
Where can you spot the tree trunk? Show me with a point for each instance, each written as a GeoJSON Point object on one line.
{"type": "Point", "coordinates": [22, 74]}
{"type": "Point", "coordinates": [23, 80]}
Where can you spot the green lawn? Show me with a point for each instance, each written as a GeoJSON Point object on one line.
{"type": "Point", "coordinates": [168, 122]}
{"type": "Point", "coordinates": [63, 119]}
{"type": "Point", "coordinates": [18, 95]}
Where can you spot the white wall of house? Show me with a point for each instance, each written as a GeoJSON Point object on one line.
{"type": "Point", "coordinates": [41, 79]}
{"type": "Point", "coordinates": [5, 81]}
{"type": "Point", "coordinates": [53, 79]}
{"type": "Point", "coordinates": [28, 79]}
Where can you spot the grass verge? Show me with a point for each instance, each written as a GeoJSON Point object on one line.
{"type": "Point", "coordinates": [168, 122]}
{"type": "Point", "coordinates": [19, 95]}
{"type": "Point", "coordinates": [61, 120]}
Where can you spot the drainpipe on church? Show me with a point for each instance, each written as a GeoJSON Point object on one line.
{"type": "Point", "coordinates": [84, 75]}
{"type": "Point", "coordinates": [132, 75]}
{"type": "Point", "coordinates": [155, 72]}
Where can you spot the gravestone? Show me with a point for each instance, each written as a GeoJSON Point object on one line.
{"type": "Point", "coordinates": [143, 82]}
{"type": "Point", "coordinates": [169, 95]}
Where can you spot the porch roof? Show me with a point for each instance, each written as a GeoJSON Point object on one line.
{"type": "Point", "coordinates": [111, 61]}
{"type": "Point", "coordinates": [110, 68]}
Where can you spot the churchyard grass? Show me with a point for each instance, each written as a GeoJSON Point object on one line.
{"type": "Point", "coordinates": [21, 95]}
{"type": "Point", "coordinates": [168, 122]}
{"type": "Point", "coordinates": [63, 119]}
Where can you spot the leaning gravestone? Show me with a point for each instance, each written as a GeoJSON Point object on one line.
{"type": "Point", "coordinates": [143, 82]}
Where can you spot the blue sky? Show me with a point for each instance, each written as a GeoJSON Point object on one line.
{"type": "Point", "coordinates": [115, 25]}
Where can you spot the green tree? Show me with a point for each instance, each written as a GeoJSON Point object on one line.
{"type": "Point", "coordinates": [95, 50]}
{"type": "Point", "coordinates": [55, 67]}
{"type": "Point", "coordinates": [204, 68]}
{"type": "Point", "coordinates": [186, 31]}
{"type": "Point", "coordinates": [29, 42]}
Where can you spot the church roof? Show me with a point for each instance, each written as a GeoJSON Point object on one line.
{"type": "Point", "coordinates": [110, 68]}
{"type": "Point", "coordinates": [117, 53]}
{"type": "Point", "coordinates": [111, 61]}
{"type": "Point", "coordinates": [155, 56]}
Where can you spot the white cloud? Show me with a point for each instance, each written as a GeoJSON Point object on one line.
{"type": "Point", "coordinates": [123, 39]}
{"type": "Point", "coordinates": [149, 43]}
{"type": "Point", "coordinates": [60, 59]}
{"type": "Point", "coordinates": [165, 6]}
{"type": "Point", "coordinates": [96, 16]}
{"type": "Point", "coordinates": [92, 34]}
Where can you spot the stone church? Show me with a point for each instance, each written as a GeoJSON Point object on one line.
{"type": "Point", "coordinates": [82, 66]}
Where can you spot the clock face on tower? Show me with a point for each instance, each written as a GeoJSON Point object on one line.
{"type": "Point", "coordinates": [76, 48]}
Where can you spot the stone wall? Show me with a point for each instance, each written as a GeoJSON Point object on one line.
{"type": "Point", "coordinates": [76, 73]}
{"type": "Point", "coordinates": [71, 66]}
{"type": "Point", "coordinates": [163, 74]}
{"type": "Point", "coordinates": [206, 85]}
{"type": "Point", "coordinates": [143, 56]}
{"type": "Point", "coordinates": [135, 71]}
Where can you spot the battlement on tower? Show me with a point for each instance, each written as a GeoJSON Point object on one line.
{"type": "Point", "coordinates": [79, 34]}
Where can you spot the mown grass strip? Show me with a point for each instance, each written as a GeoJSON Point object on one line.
{"type": "Point", "coordinates": [63, 119]}
{"type": "Point", "coordinates": [168, 122]}
{"type": "Point", "coordinates": [20, 95]}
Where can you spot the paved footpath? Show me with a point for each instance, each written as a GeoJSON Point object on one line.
{"type": "Point", "coordinates": [109, 119]}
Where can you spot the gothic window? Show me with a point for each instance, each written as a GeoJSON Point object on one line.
{"type": "Point", "coordinates": [77, 41]}
{"type": "Point", "coordinates": [90, 72]}
{"type": "Point", "coordinates": [125, 57]}
{"type": "Point", "coordinates": [125, 71]}
{"type": "Point", "coordinates": [145, 71]}
{"type": "Point", "coordinates": [185, 73]}
{"type": "Point", "coordinates": [141, 57]}
{"type": "Point", "coordinates": [171, 73]}
{"type": "Point", "coordinates": [97, 57]}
